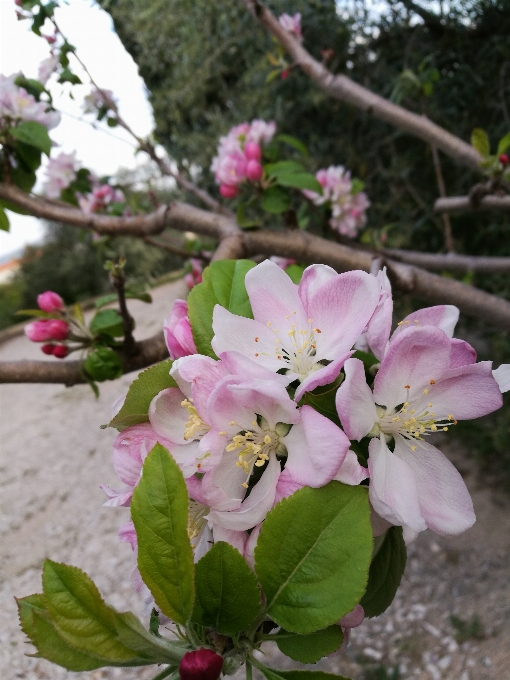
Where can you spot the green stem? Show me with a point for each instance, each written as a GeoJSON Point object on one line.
{"type": "Point", "coordinates": [249, 670]}
{"type": "Point", "coordinates": [256, 624]}
{"type": "Point", "coordinates": [166, 673]}
{"type": "Point", "coordinates": [193, 637]}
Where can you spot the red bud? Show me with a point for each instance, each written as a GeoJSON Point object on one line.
{"type": "Point", "coordinates": [202, 664]}
{"type": "Point", "coordinates": [503, 159]}
{"type": "Point", "coordinates": [60, 351]}
{"type": "Point", "coordinates": [285, 74]}
{"type": "Point", "coordinates": [48, 348]}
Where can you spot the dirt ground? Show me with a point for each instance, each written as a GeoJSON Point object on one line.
{"type": "Point", "coordinates": [53, 456]}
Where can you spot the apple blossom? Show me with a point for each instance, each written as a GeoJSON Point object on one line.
{"type": "Point", "coordinates": [252, 151]}
{"type": "Point", "coordinates": [48, 348]}
{"type": "Point", "coordinates": [502, 377]}
{"type": "Point", "coordinates": [177, 330]}
{"type": "Point", "coordinates": [421, 388]}
{"type": "Point", "coordinates": [254, 171]}
{"type": "Point", "coordinates": [292, 24]}
{"type": "Point", "coordinates": [58, 329]}
{"type": "Point", "coordinates": [60, 173]}
{"type": "Point", "coordinates": [50, 301]}
{"type": "Point", "coordinates": [228, 191]}
{"type": "Point", "coordinates": [102, 197]}
{"type": "Point", "coordinates": [97, 99]}
{"type": "Point", "coordinates": [38, 331]}
{"type": "Point", "coordinates": [17, 105]}
{"type": "Point", "coordinates": [306, 330]}
{"type": "Point", "coordinates": [194, 277]}
{"type": "Point", "coordinates": [46, 68]}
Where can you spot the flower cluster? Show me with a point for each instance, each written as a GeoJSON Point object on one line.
{"type": "Point", "coordinates": [194, 276]}
{"type": "Point", "coordinates": [103, 199]}
{"type": "Point", "coordinates": [99, 99]}
{"type": "Point", "coordinates": [50, 331]}
{"type": "Point", "coordinates": [246, 431]}
{"type": "Point", "coordinates": [347, 205]}
{"type": "Point", "coordinates": [239, 155]}
{"type": "Point", "coordinates": [292, 24]}
{"type": "Point", "coordinates": [60, 173]}
{"type": "Point", "coordinates": [46, 68]}
{"type": "Point", "coordinates": [17, 105]}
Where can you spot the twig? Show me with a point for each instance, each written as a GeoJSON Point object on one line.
{"type": "Point", "coordinates": [451, 262]}
{"type": "Point", "coordinates": [464, 203]}
{"type": "Point", "coordinates": [118, 281]}
{"type": "Point", "coordinates": [448, 237]}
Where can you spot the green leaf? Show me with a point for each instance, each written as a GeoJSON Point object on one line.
{"type": "Point", "coordinates": [356, 186]}
{"type": "Point", "coordinates": [367, 358]}
{"type": "Point", "coordinates": [301, 180]}
{"type": "Point", "coordinates": [276, 674]}
{"type": "Point", "coordinates": [275, 200]}
{"type": "Point", "coordinates": [159, 510]}
{"type": "Point", "coordinates": [28, 156]}
{"type": "Point", "coordinates": [4, 220]}
{"type": "Point", "coordinates": [37, 625]}
{"type": "Point", "coordinates": [7, 205]}
{"type": "Point", "coordinates": [283, 167]}
{"type": "Point", "coordinates": [295, 271]}
{"type": "Point", "coordinates": [385, 574]}
{"type": "Point", "coordinates": [504, 143]}
{"type": "Point", "coordinates": [103, 364]}
{"type": "Point", "coordinates": [34, 134]}
{"type": "Point", "coordinates": [67, 76]}
{"type": "Point", "coordinates": [272, 75]}
{"type": "Point", "coordinates": [23, 179]}
{"type": "Point", "coordinates": [36, 312]}
{"type": "Point", "coordinates": [322, 399]}
{"type": "Point", "coordinates": [243, 221]}
{"type": "Point", "coordinates": [296, 144]}
{"type": "Point", "coordinates": [480, 141]}
{"type": "Point", "coordinates": [313, 556]}
{"type": "Point", "coordinates": [227, 595]}
{"type": "Point", "coordinates": [107, 321]}
{"type": "Point", "coordinates": [33, 87]}
{"type": "Point", "coordinates": [81, 616]}
{"type": "Point", "coordinates": [222, 284]}
{"type": "Point", "coordinates": [112, 122]}
{"type": "Point", "coordinates": [310, 648]}
{"type": "Point", "coordinates": [141, 392]}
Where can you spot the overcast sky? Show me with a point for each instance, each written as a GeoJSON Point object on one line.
{"type": "Point", "coordinates": [103, 150]}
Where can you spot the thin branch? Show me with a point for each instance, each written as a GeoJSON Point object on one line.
{"type": "Point", "coordinates": [70, 373]}
{"type": "Point", "coordinates": [343, 88]}
{"type": "Point", "coordinates": [451, 262]}
{"type": "Point", "coordinates": [448, 236]}
{"type": "Point", "coordinates": [176, 250]}
{"type": "Point", "coordinates": [464, 203]}
{"type": "Point", "coordinates": [118, 281]}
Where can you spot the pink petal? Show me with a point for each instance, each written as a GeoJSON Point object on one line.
{"type": "Point", "coordinates": [226, 407]}
{"type": "Point", "coordinates": [444, 499]}
{"type": "Point", "coordinates": [351, 472]}
{"type": "Point", "coordinates": [286, 487]}
{"type": "Point", "coordinates": [203, 374]}
{"type": "Point", "coordinates": [255, 340]}
{"type": "Point", "coordinates": [379, 328]}
{"type": "Point", "coordinates": [238, 364]}
{"type": "Point", "coordinates": [251, 544]}
{"type": "Point", "coordinates": [222, 487]}
{"type": "Point", "coordinates": [444, 317]}
{"type": "Point", "coordinates": [237, 539]}
{"type": "Point", "coordinates": [461, 353]}
{"type": "Point", "coordinates": [313, 278]}
{"type": "Point", "coordinates": [117, 499]}
{"type": "Point", "coordinates": [167, 416]}
{"type": "Point", "coordinates": [393, 492]}
{"type": "Point", "coordinates": [414, 358]}
{"type": "Point", "coordinates": [267, 398]}
{"type": "Point", "coordinates": [323, 376]}
{"type": "Point", "coordinates": [195, 492]}
{"type": "Point", "coordinates": [502, 377]}
{"type": "Point", "coordinates": [340, 309]}
{"type": "Point", "coordinates": [355, 402]}
{"type": "Point", "coordinates": [274, 297]}
{"type": "Point", "coordinates": [316, 449]}
{"type": "Point", "coordinates": [353, 619]}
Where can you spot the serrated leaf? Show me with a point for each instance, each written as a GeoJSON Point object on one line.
{"type": "Point", "coordinates": [103, 364]}
{"type": "Point", "coordinates": [275, 200]}
{"type": "Point", "coordinates": [34, 134]}
{"type": "Point", "coordinates": [227, 595]}
{"type": "Point", "coordinates": [283, 167]}
{"type": "Point", "coordinates": [504, 143]}
{"type": "Point", "coordinates": [385, 573]}
{"type": "Point", "coordinates": [159, 510]}
{"type": "Point", "coordinates": [37, 625]}
{"type": "Point", "coordinates": [300, 180]}
{"type": "Point", "coordinates": [296, 144]}
{"type": "Point", "coordinates": [28, 156]}
{"type": "Point", "coordinates": [142, 391]}
{"type": "Point", "coordinates": [222, 284]}
{"type": "Point", "coordinates": [81, 617]}
{"type": "Point", "coordinates": [310, 648]}
{"type": "Point", "coordinates": [276, 674]}
{"type": "Point", "coordinates": [4, 220]}
{"type": "Point", "coordinates": [313, 556]}
{"type": "Point", "coordinates": [107, 321]}
{"type": "Point", "coordinates": [480, 141]}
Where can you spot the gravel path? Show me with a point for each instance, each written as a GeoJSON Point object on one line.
{"type": "Point", "coordinates": [53, 456]}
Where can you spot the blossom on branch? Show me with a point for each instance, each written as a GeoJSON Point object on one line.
{"type": "Point", "coordinates": [292, 24]}
{"type": "Point", "coordinates": [98, 99]}
{"type": "Point", "coordinates": [178, 334]}
{"type": "Point", "coordinates": [46, 68]}
{"type": "Point", "coordinates": [17, 105]}
{"type": "Point", "coordinates": [60, 173]}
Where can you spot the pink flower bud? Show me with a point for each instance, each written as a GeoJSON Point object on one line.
{"type": "Point", "coordinates": [202, 664]}
{"type": "Point", "coordinates": [60, 351]}
{"type": "Point", "coordinates": [18, 2]}
{"type": "Point", "coordinates": [177, 329]}
{"type": "Point", "coordinates": [285, 74]}
{"type": "Point", "coordinates": [58, 329]}
{"type": "Point", "coordinates": [38, 331]}
{"type": "Point", "coordinates": [503, 159]}
{"type": "Point", "coordinates": [254, 171]}
{"type": "Point", "coordinates": [252, 151]}
{"type": "Point", "coordinates": [50, 301]}
{"type": "Point", "coordinates": [48, 348]}
{"type": "Point", "coordinates": [228, 191]}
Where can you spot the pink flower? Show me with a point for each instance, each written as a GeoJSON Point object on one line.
{"type": "Point", "coordinates": [347, 623]}
{"type": "Point", "coordinates": [252, 151]}
{"type": "Point", "coordinates": [60, 173]}
{"type": "Point", "coordinates": [38, 331]}
{"type": "Point", "coordinates": [227, 191]}
{"type": "Point", "coordinates": [97, 99]}
{"type": "Point", "coordinates": [194, 277]}
{"type": "Point", "coordinates": [254, 171]}
{"type": "Point", "coordinates": [282, 262]}
{"type": "Point", "coordinates": [47, 349]}
{"type": "Point", "coordinates": [58, 329]}
{"type": "Point", "coordinates": [299, 328]}
{"type": "Point", "coordinates": [421, 388]}
{"type": "Point", "coordinates": [201, 664]}
{"type": "Point", "coordinates": [46, 68]}
{"type": "Point", "coordinates": [17, 105]}
{"type": "Point", "coordinates": [231, 169]}
{"type": "Point", "coordinates": [50, 301]}
{"type": "Point", "coordinates": [101, 199]}
{"type": "Point", "coordinates": [178, 334]}
{"type": "Point", "coordinates": [502, 377]}
{"type": "Point", "coordinates": [292, 24]}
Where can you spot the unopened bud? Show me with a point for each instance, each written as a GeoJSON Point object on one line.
{"type": "Point", "coordinates": [48, 348]}
{"type": "Point", "coordinates": [252, 151]}
{"type": "Point", "coordinates": [58, 329]}
{"type": "Point", "coordinates": [285, 74]}
{"type": "Point", "coordinates": [60, 351]}
{"type": "Point", "coordinates": [503, 159]}
{"type": "Point", "coordinates": [50, 301]}
{"type": "Point", "coordinates": [202, 664]}
{"type": "Point", "coordinates": [254, 171]}
{"type": "Point", "coordinates": [38, 331]}
{"type": "Point", "coordinates": [228, 191]}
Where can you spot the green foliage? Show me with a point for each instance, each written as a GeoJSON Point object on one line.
{"type": "Point", "coordinates": [107, 321]}
{"type": "Point", "coordinates": [313, 555]}
{"type": "Point", "coordinates": [141, 392]}
{"type": "Point", "coordinates": [386, 569]}
{"type": "Point", "coordinates": [159, 510]}
{"type": "Point", "coordinates": [34, 134]}
{"type": "Point", "coordinates": [275, 200]}
{"type": "Point", "coordinates": [480, 141]}
{"type": "Point", "coordinates": [310, 648]}
{"type": "Point", "coordinates": [4, 220]}
{"type": "Point", "coordinates": [103, 363]}
{"type": "Point", "coordinates": [222, 284]}
{"type": "Point", "coordinates": [276, 674]}
{"type": "Point", "coordinates": [227, 595]}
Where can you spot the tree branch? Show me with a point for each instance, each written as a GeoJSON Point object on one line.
{"type": "Point", "coordinates": [464, 203]}
{"type": "Point", "coordinates": [343, 88]}
{"type": "Point", "coordinates": [451, 262]}
{"type": "Point", "coordinates": [69, 373]}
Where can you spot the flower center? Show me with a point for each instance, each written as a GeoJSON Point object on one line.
{"type": "Point", "coordinates": [194, 427]}
{"type": "Point", "coordinates": [411, 423]}
{"type": "Point", "coordinates": [196, 520]}
{"type": "Point", "coordinates": [297, 347]}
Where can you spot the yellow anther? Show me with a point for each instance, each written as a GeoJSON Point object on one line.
{"type": "Point", "coordinates": [450, 417]}
{"type": "Point", "coordinates": [267, 439]}
{"type": "Point", "coordinates": [245, 485]}
{"type": "Point", "coordinates": [425, 391]}
{"type": "Point", "coordinates": [232, 423]}
{"type": "Point", "coordinates": [400, 323]}
{"type": "Point", "coordinates": [413, 448]}
{"type": "Point", "coordinates": [222, 433]}
{"type": "Point", "coordinates": [445, 429]}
